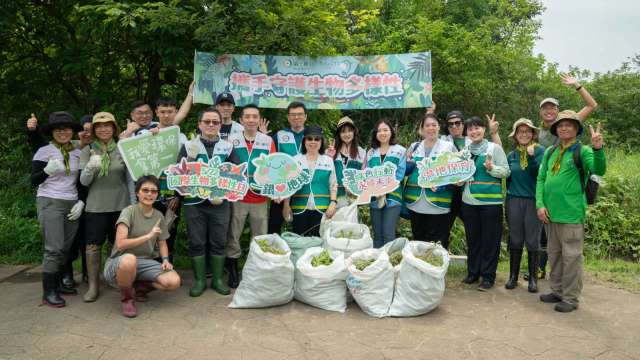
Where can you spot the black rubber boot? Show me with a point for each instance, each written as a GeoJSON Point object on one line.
{"type": "Point", "coordinates": [515, 257]}
{"type": "Point", "coordinates": [533, 267]}
{"type": "Point", "coordinates": [50, 294]}
{"type": "Point", "coordinates": [231, 265]}
{"type": "Point", "coordinates": [542, 263]}
{"type": "Point", "coordinates": [67, 275]}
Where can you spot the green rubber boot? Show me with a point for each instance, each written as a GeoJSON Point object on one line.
{"type": "Point", "coordinates": [199, 280]}
{"type": "Point", "coordinates": [217, 269]}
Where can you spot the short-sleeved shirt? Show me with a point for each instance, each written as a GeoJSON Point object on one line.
{"type": "Point", "coordinates": [107, 193]}
{"type": "Point", "coordinates": [139, 224]}
{"type": "Point", "coordinates": [59, 186]}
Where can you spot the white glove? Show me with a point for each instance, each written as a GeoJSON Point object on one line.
{"type": "Point", "coordinates": [216, 201]}
{"type": "Point", "coordinates": [193, 147]}
{"type": "Point", "coordinates": [76, 211]}
{"type": "Point", "coordinates": [94, 164]}
{"type": "Point", "coordinates": [54, 166]}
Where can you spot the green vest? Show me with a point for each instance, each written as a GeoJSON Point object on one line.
{"type": "Point", "coordinates": [222, 149]}
{"type": "Point", "coordinates": [394, 155]}
{"type": "Point", "coordinates": [413, 192]}
{"type": "Point", "coordinates": [261, 145]}
{"type": "Point", "coordinates": [482, 186]}
{"type": "Point", "coordinates": [351, 164]}
{"type": "Point", "coordinates": [287, 143]}
{"type": "Point", "coordinates": [319, 186]}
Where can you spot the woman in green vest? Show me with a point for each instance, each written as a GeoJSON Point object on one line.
{"type": "Point", "coordinates": [347, 154]}
{"type": "Point", "coordinates": [319, 197]}
{"type": "Point", "coordinates": [482, 205]}
{"type": "Point", "coordinates": [524, 225]}
{"type": "Point", "coordinates": [385, 209]}
{"type": "Point", "coordinates": [428, 208]}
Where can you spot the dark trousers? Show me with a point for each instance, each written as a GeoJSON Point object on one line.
{"type": "Point", "coordinates": [173, 231]}
{"type": "Point", "coordinates": [101, 226]}
{"type": "Point", "coordinates": [483, 228]}
{"type": "Point", "coordinates": [307, 223]}
{"type": "Point", "coordinates": [456, 203]}
{"type": "Point", "coordinates": [524, 225]}
{"type": "Point", "coordinates": [430, 227]}
{"type": "Point", "coordinates": [275, 218]}
{"type": "Point", "coordinates": [207, 226]}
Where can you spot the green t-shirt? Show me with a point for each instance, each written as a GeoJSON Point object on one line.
{"type": "Point", "coordinates": [561, 193]}
{"type": "Point", "coordinates": [106, 193]}
{"type": "Point", "coordinates": [139, 224]}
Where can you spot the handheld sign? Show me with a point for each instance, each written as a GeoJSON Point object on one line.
{"type": "Point", "coordinates": [446, 168]}
{"type": "Point", "coordinates": [208, 180]}
{"type": "Point", "coordinates": [278, 175]}
{"type": "Point", "coordinates": [376, 181]}
{"type": "Point", "coordinates": [149, 154]}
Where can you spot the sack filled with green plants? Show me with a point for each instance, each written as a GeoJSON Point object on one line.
{"type": "Point", "coordinates": [319, 281]}
{"type": "Point", "coordinates": [267, 276]}
{"type": "Point", "coordinates": [371, 280]}
{"type": "Point", "coordinates": [299, 244]}
{"type": "Point", "coordinates": [420, 284]}
{"type": "Point", "coordinates": [347, 237]}
{"type": "Point", "coordinates": [394, 249]}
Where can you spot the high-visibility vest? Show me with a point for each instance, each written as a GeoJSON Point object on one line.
{"type": "Point", "coordinates": [395, 153]}
{"type": "Point", "coordinates": [351, 164]}
{"type": "Point", "coordinates": [261, 145]}
{"type": "Point", "coordinates": [222, 149]}
{"type": "Point", "coordinates": [287, 142]}
{"type": "Point", "coordinates": [413, 192]}
{"type": "Point", "coordinates": [319, 186]}
{"type": "Point", "coordinates": [483, 186]}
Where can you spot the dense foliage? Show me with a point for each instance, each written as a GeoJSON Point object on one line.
{"type": "Point", "coordinates": [100, 55]}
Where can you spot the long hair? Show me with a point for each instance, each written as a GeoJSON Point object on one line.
{"type": "Point", "coordinates": [374, 132]}
{"type": "Point", "coordinates": [353, 147]}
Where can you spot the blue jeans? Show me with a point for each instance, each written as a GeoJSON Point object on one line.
{"type": "Point", "coordinates": [384, 224]}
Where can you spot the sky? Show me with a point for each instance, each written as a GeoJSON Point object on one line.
{"type": "Point", "coordinates": [597, 35]}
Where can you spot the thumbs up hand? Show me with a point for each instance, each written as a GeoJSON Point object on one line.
{"type": "Point", "coordinates": [32, 123]}
{"type": "Point", "coordinates": [487, 163]}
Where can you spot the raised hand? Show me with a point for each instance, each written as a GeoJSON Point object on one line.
{"type": "Point", "coordinates": [487, 163]}
{"type": "Point", "coordinates": [155, 230]}
{"type": "Point", "coordinates": [32, 122]}
{"type": "Point", "coordinates": [493, 124]}
{"type": "Point", "coordinates": [431, 109]}
{"type": "Point", "coordinates": [263, 127]}
{"type": "Point", "coordinates": [569, 80]}
{"type": "Point", "coordinates": [95, 161]}
{"type": "Point", "coordinates": [596, 137]}
{"type": "Point", "coordinates": [193, 147]}
{"type": "Point", "coordinates": [132, 126]}
{"type": "Point", "coordinates": [331, 149]}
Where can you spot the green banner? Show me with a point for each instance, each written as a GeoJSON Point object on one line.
{"type": "Point", "coordinates": [149, 154]}
{"type": "Point", "coordinates": [336, 82]}
{"type": "Point", "coordinates": [446, 168]}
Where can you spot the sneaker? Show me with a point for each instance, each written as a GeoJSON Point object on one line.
{"type": "Point", "coordinates": [485, 285]}
{"type": "Point", "coordinates": [565, 307]}
{"type": "Point", "coordinates": [550, 298]}
{"type": "Point", "coordinates": [471, 279]}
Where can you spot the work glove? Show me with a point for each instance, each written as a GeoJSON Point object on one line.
{"type": "Point", "coordinates": [76, 211]}
{"type": "Point", "coordinates": [54, 166]}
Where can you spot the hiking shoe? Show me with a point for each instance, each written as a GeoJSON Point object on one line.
{"type": "Point", "coordinates": [471, 279]}
{"type": "Point", "coordinates": [550, 298]}
{"type": "Point", "coordinates": [485, 285]}
{"type": "Point", "coordinates": [565, 307]}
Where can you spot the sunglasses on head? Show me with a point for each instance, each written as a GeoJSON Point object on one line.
{"type": "Point", "coordinates": [313, 138]}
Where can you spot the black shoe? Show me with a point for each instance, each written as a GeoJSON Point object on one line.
{"type": "Point", "coordinates": [50, 294]}
{"type": "Point", "coordinates": [515, 256]}
{"type": "Point", "coordinates": [550, 298]}
{"type": "Point", "coordinates": [67, 276]}
{"type": "Point", "coordinates": [485, 285]}
{"type": "Point", "coordinates": [471, 279]}
{"type": "Point", "coordinates": [62, 288]}
{"type": "Point", "coordinates": [565, 307]}
{"type": "Point", "coordinates": [533, 267]}
{"type": "Point", "coordinates": [231, 265]}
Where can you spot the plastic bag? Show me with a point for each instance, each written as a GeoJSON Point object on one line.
{"type": "Point", "coordinates": [372, 287]}
{"type": "Point", "coordinates": [344, 214]}
{"type": "Point", "coordinates": [267, 279]}
{"type": "Point", "coordinates": [322, 286]}
{"type": "Point", "coordinates": [420, 285]}
{"type": "Point", "coordinates": [299, 244]}
{"type": "Point", "coordinates": [347, 237]}
{"type": "Point", "coordinates": [394, 246]}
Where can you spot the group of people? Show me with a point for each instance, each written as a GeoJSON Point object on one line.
{"type": "Point", "coordinates": [86, 195]}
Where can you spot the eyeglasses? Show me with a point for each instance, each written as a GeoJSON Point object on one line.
{"type": "Point", "coordinates": [296, 115]}
{"type": "Point", "coordinates": [313, 138]}
{"type": "Point", "coordinates": [148, 191]}
{"type": "Point", "coordinates": [454, 124]}
{"type": "Point", "coordinates": [211, 122]}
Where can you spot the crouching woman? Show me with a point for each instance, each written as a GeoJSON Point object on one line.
{"type": "Point", "coordinates": [140, 230]}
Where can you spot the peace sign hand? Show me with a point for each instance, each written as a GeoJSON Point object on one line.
{"type": "Point", "coordinates": [596, 137]}
{"type": "Point", "coordinates": [493, 124]}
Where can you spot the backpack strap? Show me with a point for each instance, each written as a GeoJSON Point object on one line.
{"type": "Point", "coordinates": [577, 160]}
